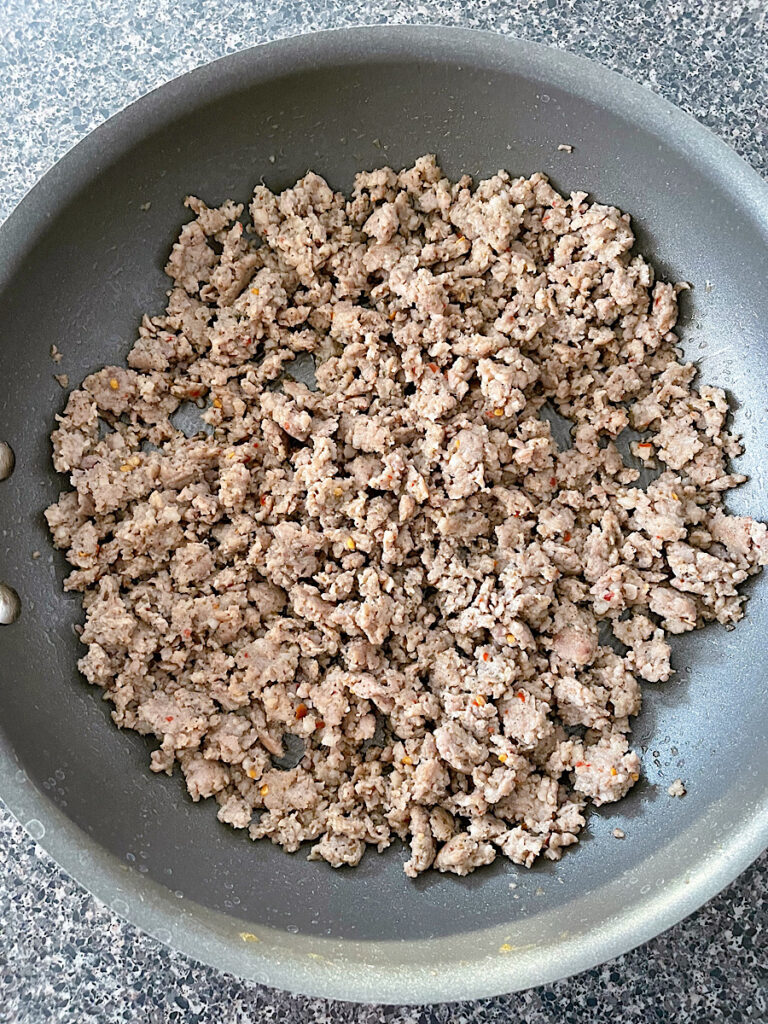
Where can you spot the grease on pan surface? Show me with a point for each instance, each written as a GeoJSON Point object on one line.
{"type": "Point", "coordinates": [382, 607]}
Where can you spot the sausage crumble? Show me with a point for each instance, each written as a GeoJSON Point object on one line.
{"type": "Point", "coordinates": [389, 603]}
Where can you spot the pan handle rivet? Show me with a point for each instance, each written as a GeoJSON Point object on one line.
{"type": "Point", "coordinates": [7, 460]}
{"type": "Point", "coordinates": [10, 605]}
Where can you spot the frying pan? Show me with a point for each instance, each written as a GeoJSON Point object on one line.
{"type": "Point", "coordinates": [82, 259]}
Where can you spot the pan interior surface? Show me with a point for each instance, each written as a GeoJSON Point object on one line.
{"type": "Point", "coordinates": [82, 261]}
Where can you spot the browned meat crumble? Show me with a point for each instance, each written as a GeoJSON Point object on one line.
{"type": "Point", "coordinates": [400, 569]}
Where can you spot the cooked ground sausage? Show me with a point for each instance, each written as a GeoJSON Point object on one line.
{"type": "Point", "coordinates": [399, 575]}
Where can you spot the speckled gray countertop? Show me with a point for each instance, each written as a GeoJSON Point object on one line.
{"type": "Point", "coordinates": [66, 66]}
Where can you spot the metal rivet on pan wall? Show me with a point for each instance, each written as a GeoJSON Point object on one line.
{"type": "Point", "coordinates": [7, 460]}
{"type": "Point", "coordinates": [10, 605]}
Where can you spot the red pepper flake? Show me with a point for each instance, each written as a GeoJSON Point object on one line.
{"type": "Point", "coordinates": [486, 655]}
{"type": "Point", "coordinates": [645, 444]}
{"type": "Point", "coordinates": [608, 595]}
{"type": "Point", "coordinates": [521, 696]}
{"type": "Point", "coordinates": [566, 537]}
{"type": "Point", "coordinates": [187, 632]}
{"type": "Point", "coordinates": [552, 481]}
{"type": "Point", "coordinates": [195, 394]}
{"type": "Point", "coordinates": [256, 444]}
{"type": "Point", "coordinates": [433, 367]}
{"type": "Point", "coordinates": [319, 724]}
{"type": "Point", "coordinates": [245, 655]}
{"type": "Point", "coordinates": [301, 711]}
{"type": "Point", "coordinates": [169, 718]}
{"type": "Point", "coordinates": [263, 499]}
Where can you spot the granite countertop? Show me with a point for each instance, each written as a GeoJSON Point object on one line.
{"type": "Point", "coordinates": [68, 65]}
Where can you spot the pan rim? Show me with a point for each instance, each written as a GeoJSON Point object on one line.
{"type": "Point", "coordinates": [151, 907]}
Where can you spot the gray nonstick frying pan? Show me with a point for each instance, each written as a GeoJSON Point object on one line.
{"type": "Point", "coordinates": [81, 259]}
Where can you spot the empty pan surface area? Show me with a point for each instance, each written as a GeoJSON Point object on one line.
{"type": "Point", "coordinates": [81, 261]}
